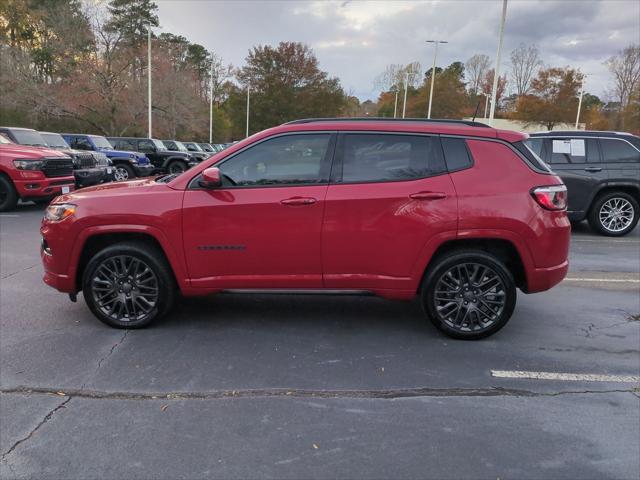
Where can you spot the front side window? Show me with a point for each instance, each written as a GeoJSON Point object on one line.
{"type": "Point", "coordinates": [572, 150]}
{"type": "Point", "coordinates": [618, 151]}
{"type": "Point", "coordinates": [146, 146]}
{"type": "Point", "coordinates": [389, 157]}
{"type": "Point", "coordinates": [285, 160]}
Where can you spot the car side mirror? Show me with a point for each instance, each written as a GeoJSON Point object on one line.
{"type": "Point", "coordinates": [211, 178]}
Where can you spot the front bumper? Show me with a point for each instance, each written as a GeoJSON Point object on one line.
{"type": "Point", "coordinates": [143, 170]}
{"type": "Point", "coordinates": [86, 177]}
{"type": "Point", "coordinates": [43, 187]}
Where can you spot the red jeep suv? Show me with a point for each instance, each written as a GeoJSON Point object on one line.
{"type": "Point", "coordinates": [454, 212]}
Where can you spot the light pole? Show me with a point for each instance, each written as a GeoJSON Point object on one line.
{"type": "Point", "coordinates": [149, 79]}
{"type": "Point", "coordinates": [433, 71]}
{"type": "Point", "coordinates": [395, 106]}
{"type": "Point", "coordinates": [248, 90]}
{"type": "Point", "coordinates": [496, 72]}
{"type": "Point", "coordinates": [406, 87]}
{"type": "Point", "coordinates": [211, 102]}
{"type": "Point", "coordinates": [486, 103]}
{"type": "Point", "coordinates": [579, 104]}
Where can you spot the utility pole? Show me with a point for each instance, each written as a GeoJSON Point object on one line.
{"type": "Point", "coordinates": [496, 73]}
{"type": "Point", "coordinates": [211, 102]}
{"type": "Point", "coordinates": [395, 106]}
{"type": "Point", "coordinates": [433, 71]}
{"type": "Point", "coordinates": [406, 87]}
{"type": "Point", "coordinates": [149, 78]}
{"type": "Point", "coordinates": [486, 104]}
{"type": "Point", "coordinates": [248, 90]}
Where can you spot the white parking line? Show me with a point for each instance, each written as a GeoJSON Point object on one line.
{"type": "Point", "coordinates": [613, 280]}
{"type": "Point", "coordinates": [603, 241]}
{"type": "Point", "coordinates": [9, 215]}
{"type": "Point", "coordinates": [571, 377]}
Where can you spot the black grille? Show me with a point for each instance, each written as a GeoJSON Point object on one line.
{"type": "Point", "coordinates": [85, 160]}
{"type": "Point", "coordinates": [57, 167]}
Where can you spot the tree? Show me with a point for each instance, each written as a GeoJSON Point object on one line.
{"type": "Point", "coordinates": [476, 68]}
{"type": "Point", "coordinates": [449, 94]}
{"type": "Point", "coordinates": [286, 83]}
{"type": "Point", "coordinates": [553, 97]}
{"type": "Point", "coordinates": [525, 60]}
{"type": "Point", "coordinates": [625, 68]}
{"type": "Point", "coordinates": [132, 19]}
{"type": "Point", "coordinates": [487, 85]}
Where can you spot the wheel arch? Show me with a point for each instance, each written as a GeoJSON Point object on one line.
{"type": "Point", "coordinates": [630, 189]}
{"type": "Point", "coordinates": [505, 250]}
{"type": "Point", "coordinates": [94, 240]}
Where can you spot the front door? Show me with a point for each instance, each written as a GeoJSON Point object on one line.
{"type": "Point", "coordinates": [389, 196]}
{"type": "Point", "coordinates": [262, 228]}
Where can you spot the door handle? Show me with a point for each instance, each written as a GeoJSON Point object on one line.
{"type": "Point", "coordinates": [298, 201]}
{"type": "Point", "coordinates": [593, 169]}
{"type": "Point", "coordinates": [428, 195]}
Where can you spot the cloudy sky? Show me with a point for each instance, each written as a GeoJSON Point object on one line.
{"type": "Point", "coordinates": [354, 40]}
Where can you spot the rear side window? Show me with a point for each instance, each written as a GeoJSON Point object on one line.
{"type": "Point", "coordinates": [389, 157]}
{"type": "Point", "coordinates": [618, 151]}
{"type": "Point", "coordinates": [456, 154]}
{"type": "Point", "coordinates": [80, 143]}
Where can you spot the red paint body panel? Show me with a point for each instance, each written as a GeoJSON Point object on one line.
{"type": "Point", "coordinates": [39, 184]}
{"type": "Point", "coordinates": [370, 236]}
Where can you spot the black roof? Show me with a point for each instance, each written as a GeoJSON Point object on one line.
{"type": "Point", "coordinates": [581, 133]}
{"type": "Point", "coordinates": [468, 123]}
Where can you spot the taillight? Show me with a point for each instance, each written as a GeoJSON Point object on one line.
{"type": "Point", "coordinates": [552, 197]}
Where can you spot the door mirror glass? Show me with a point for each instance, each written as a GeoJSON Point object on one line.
{"type": "Point", "coordinates": [211, 178]}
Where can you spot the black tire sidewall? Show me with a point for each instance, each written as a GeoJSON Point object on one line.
{"type": "Point", "coordinates": [594, 214]}
{"type": "Point", "coordinates": [444, 263]}
{"type": "Point", "coordinates": [177, 162]}
{"type": "Point", "coordinates": [12, 196]}
{"type": "Point", "coordinates": [154, 260]}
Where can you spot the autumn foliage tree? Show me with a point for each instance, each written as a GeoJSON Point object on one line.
{"type": "Point", "coordinates": [553, 97]}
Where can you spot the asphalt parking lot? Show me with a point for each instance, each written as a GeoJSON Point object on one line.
{"type": "Point", "coordinates": [296, 386]}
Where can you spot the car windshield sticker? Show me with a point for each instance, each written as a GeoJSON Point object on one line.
{"type": "Point", "coordinates": [577, 147]}
{"type": "Point", "coordinates": [562, 146]}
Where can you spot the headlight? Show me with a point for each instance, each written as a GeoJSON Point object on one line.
{"type": "Point", "coordinates": [28, 164]}
{"type": "Point", "coordinates": [55, 213]}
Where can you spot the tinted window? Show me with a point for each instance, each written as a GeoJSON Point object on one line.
{"type": "Point", "coordinates": [535, 144]}
{"type": "Point", "coordinates": [291, 159]}
{"type": "Point", "coordinates": [124, 144]}
{"type": "Point", "coordinates": [373, 157]}
{"type": "Point", "coordinates": [618, 151]}
{"type": "Point", "coordinates": [572, 150]}
{"type": "Point", "coordinates": [146, 146]}
{"type": "Point", "coordinates": [456, 153]}
{"type": "Point", "coordinates": [80, 143]}
{"type": "Point", "coordinates": [593, 154]}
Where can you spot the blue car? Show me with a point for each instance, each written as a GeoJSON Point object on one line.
{"type": "Point", "coordinates": [127, 165]}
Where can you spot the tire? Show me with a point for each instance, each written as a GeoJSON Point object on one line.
{"type": "Point", "coordinates": [614, 214]}
{"type": "Point", "coordinates": [455, 302]}
{"type": "Point", "coordinates": [114, 295]}
{"type": "Point", "coordinates": [8, 195]}
{"type": "Point", "coordinates": [177, 166]}
{"type": "Point", "coordinates": [122, 172]}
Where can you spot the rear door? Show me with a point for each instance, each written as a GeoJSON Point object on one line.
{"type": "Point", "coordinates": [389, 195]}
{"type": "Point", "coordinates": [622, 160]}
{"type": "Point", "coordinates": [579, 164]}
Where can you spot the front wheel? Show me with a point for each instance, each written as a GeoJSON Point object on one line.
{"type": "Point", "coordinates": [122, 172]}
{"type": "Point", "coordinates": [614, 214]}
{"type": "Point", "coordinates": [469, 295]}
{"type": "Point", "coordinates": [128, 285]}
{"type": "Point", "coordinates": [8, 195]}
{"type": "Point", "coordinates": [177, 167]}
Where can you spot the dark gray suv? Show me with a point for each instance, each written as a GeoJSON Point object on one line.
{"type": "Point", "coordinates": [602, 173]}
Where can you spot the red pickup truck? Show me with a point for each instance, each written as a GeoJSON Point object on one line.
{"type": "Point", "coordinates": [32, 173]}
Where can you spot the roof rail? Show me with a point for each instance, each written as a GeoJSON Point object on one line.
{"type": "Point", "coordinates": [468, 123]}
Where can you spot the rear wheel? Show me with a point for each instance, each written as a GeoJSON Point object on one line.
{"type": "Point", "coordinates": [614, 214]}
{"type": "Point", "coordinates": [8, 195]}
{"type": "Point", "coordinates": [469, 295]}
{"type": "Point", "coordinates": [128, 285]}
{"type": "Point", "coordinates": [176, 166]}
{"type": "Point", "coordinates": [122, 172]}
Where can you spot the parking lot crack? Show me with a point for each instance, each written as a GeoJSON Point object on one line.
{"type": "Point", "coordinates": [46, 418]}
{"type": "Point", "coordinates": [19, 271]}
{"type": "Point", "coordinates": [306, 393]}
{"type": "Point", "coordinates": [102, 359]}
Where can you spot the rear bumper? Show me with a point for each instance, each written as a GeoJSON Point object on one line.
{"type": "Point", "coordinates": [43, 187]}
{"type": "Point", "coordinates": [541, 279]}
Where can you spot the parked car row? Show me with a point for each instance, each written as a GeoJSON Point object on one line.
{"type": "Point", "coordinates": [28, 159]}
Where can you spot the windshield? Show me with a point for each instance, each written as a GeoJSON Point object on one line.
{"type": "Point", "coordinates": [159, 145]}
{"type": "Point", "coordinates": [101, 142]}
{"type": "Point", "coordinates": [54, 140]}
{"type": "Point", "coordinates": [180, 146]}
{"type": "Point", "coordinates": [206, 147]}
{"type": "Point", "coordinates": [193, 147]}
{"type": "Point", "coordinates": [29, 137]}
